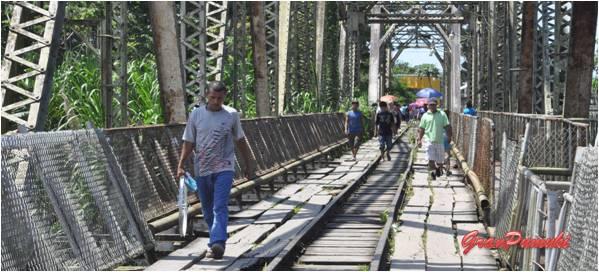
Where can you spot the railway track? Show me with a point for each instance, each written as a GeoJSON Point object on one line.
{"type": "Point", "coordinates": [353, 231]}
{"type": "Point", "coordinates": [337, 217]}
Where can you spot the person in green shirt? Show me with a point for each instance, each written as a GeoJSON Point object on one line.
{"type": "Point", "coordinates": [432, 125]}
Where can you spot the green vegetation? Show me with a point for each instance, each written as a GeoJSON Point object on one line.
{"type": "Point", "coordinates": [77, 95]}
{"type": "Point", "coordinates": [384, 216]}
{"type": "Point", "coordinates": [364, 267]}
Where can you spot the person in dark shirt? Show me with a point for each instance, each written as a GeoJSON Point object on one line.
{"type": "Point", "coordinates": [469, 110]}
{"type": "Point", "coordinates": [385, 123]}
{"type": "Point", "coordinates": [397, 115]}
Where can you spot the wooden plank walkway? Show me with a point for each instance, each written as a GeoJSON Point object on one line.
{"type": "Point", "coordinates": [262, 230]}
{"type": "Point", "coordinates": [349, 238]}
{"type": "Point", "coordinates": [434, 220]}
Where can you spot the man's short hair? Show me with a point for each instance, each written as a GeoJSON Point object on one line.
{"type": "Point", "coordinates": [469, 104]}
{"type": "Point", "coordinates": [217, 86]}
{"type": "Point", "coordinates": [382, 104]}
{"type": "Point", "coordinates": [355, 102]}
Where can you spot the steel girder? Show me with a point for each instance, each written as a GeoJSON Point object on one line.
{"type": "Point", "coordinates": [414, 18]}
{"type": "Point", "coordinates": [499, 59]}
{"type": "Point", "coordinates": [203, 30]}
{"type": "Point", "coordinates": [484, 83]}
{"type": "Point", "coordinates": [563, 18]}
{"type": "Point", "coordinates": [301, 52]}
{"type": "Point", "coordinates": [239, 52]}
{"type": "Point", "coordinates": [28, 63]}
{"type": "Point", "coordinates": [271, 23]}
{"type": "Point", "coordinates": [552, 32]}
{"type": "Point", "coordinates": [514, 43]}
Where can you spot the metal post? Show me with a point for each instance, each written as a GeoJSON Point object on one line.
{"type": "Point", "coordinates": [29, 106]}
{"type": "Point", "coordinates": [123, 36]}
{"type": "Point", "coordinates": [271, 18]}
{"type": "Point", "coordinates": [106, 60]}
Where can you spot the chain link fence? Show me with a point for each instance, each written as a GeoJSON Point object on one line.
{"type": "Point", "coordinates": [529, 203]}
{"type": "Point", "coordinates": [578, 216]}
{"type": "Point", "coordinates": [62, 205]}
{"type": "Point", "coordinates": [80, 200]}
{"type": "Point", "coordinates": [553, 140]}
{"type": "Point", "coordinates": [475, 138]}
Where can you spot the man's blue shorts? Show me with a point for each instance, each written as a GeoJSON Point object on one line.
{"type": "Point", "coordinates": [385, 140]}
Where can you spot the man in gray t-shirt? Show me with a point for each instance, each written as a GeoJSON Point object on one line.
{"type": "Point", "coordinates": [213, 129]}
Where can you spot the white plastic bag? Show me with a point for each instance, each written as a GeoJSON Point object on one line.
{"type": "Point", "coordinates": [182, 204]}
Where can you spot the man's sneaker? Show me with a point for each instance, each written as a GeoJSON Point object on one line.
{"type": "Point", "coordinates": [447, 173]}
{"type": "Point", "coordinates": [433, 177]}
{"type": "Point", "coordinates": [438, 172]}
{"type": "Point", "coordinates": [216, 252]}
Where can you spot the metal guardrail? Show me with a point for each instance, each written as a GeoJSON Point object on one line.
{"type": "Point", "coordinates": [79, 200]}
{"type": "Point", "coordinates": [537, 156]}
{"type": "Point", "coordinates": [553, 140]}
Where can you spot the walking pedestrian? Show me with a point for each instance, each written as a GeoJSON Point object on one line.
{"type": "Point", "coordinates": [431, 128]}
{"type": "Point", "coordinates": [385, 124]}
{"type": "Point", "coordinates": [214, 129]}
{"type": "Point", "coordinates": [396, 115]}
{"type": "Point", "coordinates": [354, 127]}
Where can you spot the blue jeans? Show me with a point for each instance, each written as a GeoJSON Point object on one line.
{"type": "Point", "coordinates": [213, 191]}
{"type": "Point", "coordinates": [385, 140]}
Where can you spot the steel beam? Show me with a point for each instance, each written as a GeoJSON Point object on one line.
{"type": "Point", "coordinates": [30, 55]}
{"type": "Point", "coordinates": [193, 49]}
{"type": "Point", "coordinates": [106, 65]}
{"type": "Point", "coordinates": [271, 22]}
{"type": "Point", "coordinates": [377, 17]}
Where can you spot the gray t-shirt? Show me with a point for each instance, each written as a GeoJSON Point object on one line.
{"type": "Point", "coordinates": [213, 133]}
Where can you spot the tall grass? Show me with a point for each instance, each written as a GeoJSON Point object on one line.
{"type": "Point", "coordinates": [144, 92]}
{"type": "Point", "coordinates": [77, 95]}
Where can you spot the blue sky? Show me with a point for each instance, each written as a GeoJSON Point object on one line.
{"type": "Point", "coordinates": [415, 56]}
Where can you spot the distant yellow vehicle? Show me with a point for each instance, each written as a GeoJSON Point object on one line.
{"type": "Point", "coordinates": [420, 82]}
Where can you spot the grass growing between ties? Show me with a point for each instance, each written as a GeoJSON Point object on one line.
{"type": "Point", "coordinates": [364, 267]}
{"type": "Point", "coordinates": [384, 216]}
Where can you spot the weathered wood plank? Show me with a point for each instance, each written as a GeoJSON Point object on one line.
{"type": "Point", "coordinates": [339, 259]}
{"type": "Point", "coordinates": [313, 267]}
{"type": "Point", "coordinates": [335, 243]}
{"type": "Point", "coordinates": [240, 243]}
{"type": "Point", "coordinates": [183, 258]}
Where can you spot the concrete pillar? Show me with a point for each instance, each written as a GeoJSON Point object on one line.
{"type": "Point", "coordinates": [284, 9]}
{"type": "Point", "coordinates": [320, 22]}
{"type": "Point", "coordinates": [374, 61]}
{"type": "Point", "coordinates": [455, 80]}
